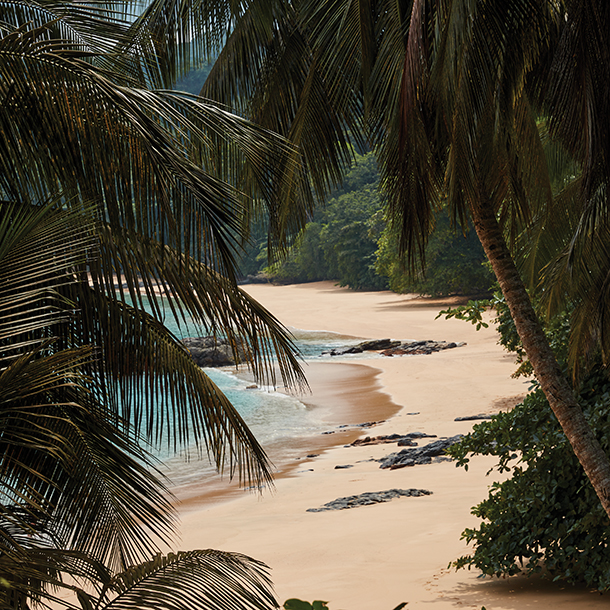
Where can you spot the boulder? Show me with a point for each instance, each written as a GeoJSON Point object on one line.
{"type": "Point", "coordinates": [364, 346]}
{"type": "Point", "coordinates": [369, 498]}
{"type": "Point", "coordinates": [414, 348]}
{"type": "Point", "coordinates": [418, 455]}
{"type": "Point", "coordinates": [403, 440]}
{"type": "Point", "coordinates": [213, 351]}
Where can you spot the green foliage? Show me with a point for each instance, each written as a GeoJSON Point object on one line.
{"type": "Point", "coordinates": [116, 191]}
{"type": "Point", "coordinates": [340, 241]}
{"type": "Point", "coordinates": [546, 517]}
{"type": "Point", "coordinates": [556, 328]}
{"type": "Point", "coordinates": [471, 312]}
{"type": "Point", "coordinates": [348, 241]}
{"type": "Point", "coordinates": [455, 263]}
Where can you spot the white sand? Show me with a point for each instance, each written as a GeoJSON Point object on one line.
{"type": "Point", "coordinates": [374, 557]}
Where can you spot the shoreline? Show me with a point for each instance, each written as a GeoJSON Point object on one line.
{"type": "Point", "coordinates": [343, 394]}
{"type": "Point", "coordinates": [381, 555]}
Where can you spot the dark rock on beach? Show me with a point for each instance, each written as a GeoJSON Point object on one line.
{"type": "Point", "coordinates": [369, 498]}
{"type": "Point", "coordinates": [414, 348]}
{"type": "Point", "coordinates": [473, 417]}
{"type": "Point", "coordinates": [370, 424]}
{"type": "Point", "coordinates": [213, 351]}
{"type": "Point", "coordinates": [389, 347]}
{"type": "Point", "coordinates": [365, 346]}
{"type": "Point", "coordinates": [418, 455]}
{"type": "Point", "coordinates": [403, 440]}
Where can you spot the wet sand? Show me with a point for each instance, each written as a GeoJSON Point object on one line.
{"type": "Point", "coordinates": [344, 395]}
{"type": "Point", "coordinates": [379, 556]}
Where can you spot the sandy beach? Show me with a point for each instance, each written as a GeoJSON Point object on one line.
{"type": "Point", "coordinates": [375, 557]}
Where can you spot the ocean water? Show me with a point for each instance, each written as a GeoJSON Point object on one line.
{"type": "Point", "coordinates": [275, 418]}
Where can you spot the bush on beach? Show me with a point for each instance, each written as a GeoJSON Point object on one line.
{"type": "Point", "coordinates": [546, 518]}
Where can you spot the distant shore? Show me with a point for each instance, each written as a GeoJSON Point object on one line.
{"type": "Point", "coordinates": [398, 551]}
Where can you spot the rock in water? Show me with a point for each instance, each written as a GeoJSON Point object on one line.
{"type": "Point", "coordinates": [214, 351]}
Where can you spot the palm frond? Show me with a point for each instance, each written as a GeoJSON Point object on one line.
{"type": "Point", "coordinates": [32, 572]}
{"type": "Point", "coordinates": [192, 580]}
{"type": "Point", "coordinates": [153, 384]}
{"type": "Point", "coordinates": [138, 153]}
{"type": "Point", "coordinates": [278, 79]}
{"type": "Point", "coordinates": [42, 247]}
{"type": "Point", "coordinates": [577, 97]}
{"type": "Point", "coordinates": [402, 127]}
{"type": "Point", "coordinates": [64, 461]}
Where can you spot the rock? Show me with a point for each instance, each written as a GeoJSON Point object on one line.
{"type": "Point", "coordinates": [364, 346]}
{"type": "Point", "coordinates": [418, 455]}
{"type": "Point", "coordinates": [214, 351]}
{"type": "Point", "coordinates": [389, 347]}
{"type": "Point", "coordinates": [340, 351]}
{"type": "Point", "coordinates": [370, 424]}
{"type": "Point", "coordinates": [402, 439]}
{"type": "Point", "coordinates": [473, 417]}
{"type": "Point", "coordinates": [343, 466]}
{"type": "Point", "coordinates": [414, 348]}
{"type": "Point", "coordinates": [378, 344]}
{"type": "Point", "coordinates": [369, 498]}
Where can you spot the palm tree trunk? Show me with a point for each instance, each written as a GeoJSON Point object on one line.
{"type": "Point", "coordinates": [553, 383]}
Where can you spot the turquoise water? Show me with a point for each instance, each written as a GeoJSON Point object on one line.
{"type": "Point", "coordinates": [274, 417]}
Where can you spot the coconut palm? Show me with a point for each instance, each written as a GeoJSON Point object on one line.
{"type": "Point", "coordinates": [454, 93]}
{"type": "Point", "coordinates": [80, 498]}
{"type": "Point", "coordinates": [114, 195]}
{"type": "Point", "coordinates": [477, 94]}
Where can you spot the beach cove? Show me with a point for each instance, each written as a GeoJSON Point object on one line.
{"type": "Point", "coordinates": [377, 556]}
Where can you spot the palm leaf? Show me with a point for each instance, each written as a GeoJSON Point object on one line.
{"type": "Point", "coordinates": [33, 573]}
{"type": "Point", "coordinates": [63, 460]}
{"type": "Point", "coordinates": [153, 136]}
{"type": "Point", "coordinates": [192, 580]}
{"type": "Point", "coordinates": [278, 79]}
{"type": "Point", "coordinates": [154, 385]}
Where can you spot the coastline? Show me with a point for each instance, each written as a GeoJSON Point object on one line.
{"type": "Point", "coordinates": [344, 395]}
{"type": "Point", "coordinates": [381, 555]}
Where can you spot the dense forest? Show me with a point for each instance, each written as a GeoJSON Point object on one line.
{"type": "Point", "coordinates": [348, 240]}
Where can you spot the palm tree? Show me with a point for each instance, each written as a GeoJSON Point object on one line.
{"type": "Point", "coordinates": [452, 93]}
{"type": "Point", "coordinates": [114, 194]}
{"type": "Point", "coordinates": [476, 95]}
{"type": "Point", "coordinates": [79, 495]}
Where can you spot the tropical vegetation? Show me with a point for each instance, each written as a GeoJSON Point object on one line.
{"type": "Point", "coordinates": [544, 518]}
{"type": "Point", "coordinates": [340, 241]}
{"type": "Point", "coordinates": [469, 105]}
{"type": "Point", "coordinates": [349, 241]}
{"type": "Point", "coordinates": [117, 192]}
